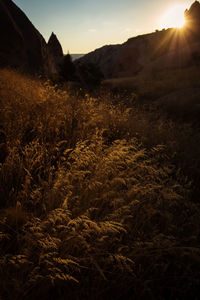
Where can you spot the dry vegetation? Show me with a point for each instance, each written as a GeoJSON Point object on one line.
{"type": "Point", "coordinates": [97, 197]}
{"type": "Point", "coordinates": [152, 85]}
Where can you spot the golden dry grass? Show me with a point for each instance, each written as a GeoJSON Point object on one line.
{"type": "Point", "coordinates": [93, 204]}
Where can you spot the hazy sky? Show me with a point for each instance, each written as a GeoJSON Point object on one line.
{"type": "Point", "coordinates": [84, 25]}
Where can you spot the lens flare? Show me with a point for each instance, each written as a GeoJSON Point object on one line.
{"type": "Point", "coordinates": [174, 17]}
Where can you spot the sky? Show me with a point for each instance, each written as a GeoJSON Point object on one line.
{"type": "Point", "coordinates": [85, 25]}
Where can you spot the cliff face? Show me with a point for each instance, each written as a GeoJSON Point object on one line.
{"type": "Point", "coordinates": [161, 50]}
{"type": "Point", "coordinates": [21, 45]}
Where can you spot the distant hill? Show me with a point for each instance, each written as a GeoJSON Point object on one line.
{"type": "Point", "coordinates": [76, 56]}
{"type": "Point", "coordinates": [166, 49]}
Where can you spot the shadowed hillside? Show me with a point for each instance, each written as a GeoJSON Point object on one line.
{"type": "Point", "coordinates": [162, 50]}
{"type": "Point", "coordinates": [21, 45]}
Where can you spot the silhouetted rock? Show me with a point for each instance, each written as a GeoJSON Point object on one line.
{"type": "Point", "coordinates": [193, 14]}
{"type": "Point", "coordinates": [55, 47]}
{"type": "Point", "coordinates": [192, 22]}
{"type": "Point", "coordinates": [21, 44]}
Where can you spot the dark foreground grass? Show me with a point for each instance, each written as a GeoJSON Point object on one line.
{"type": "Point", "coordinates": [97, 198]}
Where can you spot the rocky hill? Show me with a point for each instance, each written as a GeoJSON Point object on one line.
{"type": "Point", "coordinates": [21, 44]}
{"type": "Point", "coordinates": [166, 49]}
{"type": "Point", "coordinates": [192, 16]}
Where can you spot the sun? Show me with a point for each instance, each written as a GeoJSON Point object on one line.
{"type": "Point", "coordinates": [174, 17]}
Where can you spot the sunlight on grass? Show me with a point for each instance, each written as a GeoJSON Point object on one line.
{"type": "Point", "coordinates": [93, 198]}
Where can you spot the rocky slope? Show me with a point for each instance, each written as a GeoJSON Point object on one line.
{"type": "Point", "coordinates": [166, 49]}
{"type": "Point", "coordinates": [21, 45]}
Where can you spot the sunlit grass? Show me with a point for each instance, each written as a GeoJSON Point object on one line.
{"type": "Point", "coordinates": [94, 200]}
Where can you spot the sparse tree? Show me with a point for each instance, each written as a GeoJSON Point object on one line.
{"type": "Point", "coordinates": [67, 68]}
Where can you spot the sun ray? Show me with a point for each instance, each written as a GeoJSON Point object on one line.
{"type": "Point", "coordinates": [175, 43]}
{"type": "Point", "coordinates": [174, 17]}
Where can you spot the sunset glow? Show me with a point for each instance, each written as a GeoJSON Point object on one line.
{"type": "Point", "coordinates": [83, 26]}
{"type": "Point", "coordinates": [174, 17]}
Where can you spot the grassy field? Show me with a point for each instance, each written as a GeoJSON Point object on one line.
{"type": "Point", "coordinates": [99, 195]}
{"type": "Point", "coordinates": [153, 85]}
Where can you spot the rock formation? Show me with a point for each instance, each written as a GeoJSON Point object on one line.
{"type": "Point", "coordinates": [55, 49]}
{"type": "Point", "coordinates": [193, 14]}
{"type": "Point", "coordinates": [192, 21]}
{"type": "Point", "coordinates": [149, 53]}
{"type": "Point", "coordinates": [55, 46]}
{"type": "Point", "coordinates": [21, 44]}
